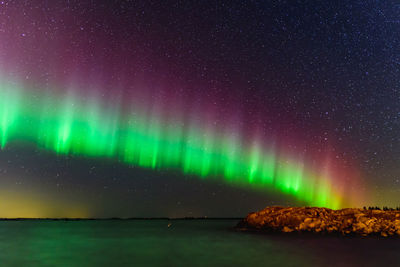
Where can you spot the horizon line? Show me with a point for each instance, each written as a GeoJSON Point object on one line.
{"type": "Point", "coordinates": [121, 218]}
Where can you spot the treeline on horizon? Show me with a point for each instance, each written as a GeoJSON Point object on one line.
{"type": "Point", "coordinates": [383, 208]}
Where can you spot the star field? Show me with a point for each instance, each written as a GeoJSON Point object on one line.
{"type": "Point", "coordinates": [319, 81]}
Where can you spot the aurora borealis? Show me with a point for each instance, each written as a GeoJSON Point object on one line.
{"type": "Point", "coordinates": [213, 98]}
{"type": "Point", "coordinates": [70, 126]}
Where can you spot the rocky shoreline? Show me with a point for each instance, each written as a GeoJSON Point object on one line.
{"type": "Point", "coordinates": [323, 220]}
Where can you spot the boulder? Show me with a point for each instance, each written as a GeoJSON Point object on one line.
{"type": "Point", "coordinates": [323, 220]}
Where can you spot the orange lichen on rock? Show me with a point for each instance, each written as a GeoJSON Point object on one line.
{"type": "Point", "coordinates": [323, 220]}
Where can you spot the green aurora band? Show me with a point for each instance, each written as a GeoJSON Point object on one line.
{"type": "Point", "coordinates": [72, 125]}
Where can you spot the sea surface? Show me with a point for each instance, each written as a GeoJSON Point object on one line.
{"type": "Point", "coordinates": [180, 243]}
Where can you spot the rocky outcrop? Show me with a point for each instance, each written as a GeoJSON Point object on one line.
{"type": "Point", "coordinates": [323, 220]}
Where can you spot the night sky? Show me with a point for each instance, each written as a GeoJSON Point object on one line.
{"type": "Point", "coordinates": [197, 108]}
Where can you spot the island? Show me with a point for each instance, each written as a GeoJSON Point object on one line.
{"type": "Point", "coordinates": [349, 221]}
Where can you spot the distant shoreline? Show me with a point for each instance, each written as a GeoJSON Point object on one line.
{"type": "Point", "coordinates": [119, 219]}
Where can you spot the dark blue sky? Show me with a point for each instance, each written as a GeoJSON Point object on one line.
{"type": "Point", "coordinates": [325, 73]}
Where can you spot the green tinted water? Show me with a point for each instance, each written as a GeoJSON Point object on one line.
{"type": "Point", "coordinates": [183, 243]}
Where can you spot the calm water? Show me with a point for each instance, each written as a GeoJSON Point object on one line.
{"type": "Point", "coordinates": [184, 243]}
